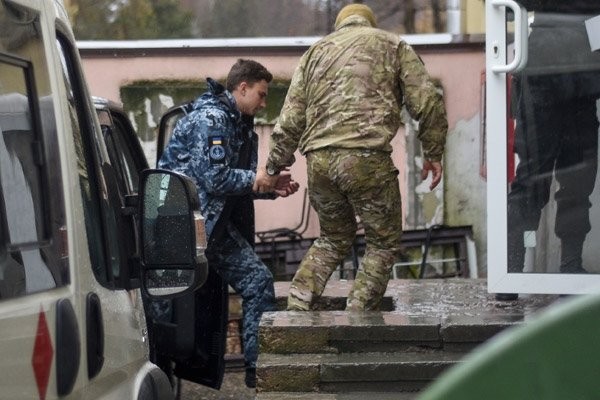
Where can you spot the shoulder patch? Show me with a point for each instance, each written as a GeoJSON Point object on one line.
{"type": "Point", "coordinates": [216, 149]}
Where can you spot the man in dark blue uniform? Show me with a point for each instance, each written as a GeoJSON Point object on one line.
{"type": "Point", "coordinates": [216, 146]}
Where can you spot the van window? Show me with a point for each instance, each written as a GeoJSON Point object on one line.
{"type": "Point", "coordinates": [97, 178]}
{"type": "Point", "coordinates": [121, 156]}
{"type": "Point", "coordinates": [33, 240]}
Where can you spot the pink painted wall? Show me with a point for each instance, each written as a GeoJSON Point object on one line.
{"type": "Point", "coordinates": [106, 75]}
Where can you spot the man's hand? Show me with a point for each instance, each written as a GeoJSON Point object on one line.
{"type": "Point", "coordinates": [436, 172]}
{"type": "Point", "coordinates": [281, 184]}
{"type": "Point", "coordinates": [265, 183]}
{"type": "Point", "coordinates": [284, 189]}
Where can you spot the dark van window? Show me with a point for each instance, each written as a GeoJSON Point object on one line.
{"type": "Point", "coordinates": [97, 177]}
{"type": "Point", "coordinates": [123, 157]}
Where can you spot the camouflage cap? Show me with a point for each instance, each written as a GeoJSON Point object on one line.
{"type": "Point", "coordinates": [356, 9]}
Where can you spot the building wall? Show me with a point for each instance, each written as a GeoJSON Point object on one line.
{"type": "Point", "coordinates": [458, 67]}
{"type": "Point", "coordinates": [475, 16]}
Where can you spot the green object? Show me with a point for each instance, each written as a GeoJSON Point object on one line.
{"type": "Point", "coordinates": [556, 355]}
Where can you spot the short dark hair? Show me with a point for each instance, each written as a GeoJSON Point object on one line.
{"type": "Point", "coordinates": [247, 71]}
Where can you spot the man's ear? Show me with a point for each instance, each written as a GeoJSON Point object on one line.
{"type": "Point", "coordinates": [242, 87]}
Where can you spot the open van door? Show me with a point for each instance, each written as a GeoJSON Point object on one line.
{"type": "Point", "coordinates": [187, 333]}
{"type": "Point", "coordinates": [543, 224]}
{"type": "Point", "coordinates": [203, 313]}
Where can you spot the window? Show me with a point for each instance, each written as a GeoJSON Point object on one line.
{"type": "Point", "coordinates": [33, 240]}
{"type": "Point", "coordinates": [122, 155]}
{"type": "Point", "coordinates": [127, 158]}
{"type": "Point", "coordinates": [97, 179]}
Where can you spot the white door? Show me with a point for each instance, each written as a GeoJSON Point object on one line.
{"type": "Point", "coordinates": [543, 85]}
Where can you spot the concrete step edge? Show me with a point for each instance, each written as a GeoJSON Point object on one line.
{"type": "Point", "coordinates": [425, 356]}
{"type": "Point", "coordinates": [336, 396]}
{"type": "Point", "coordinates": [349, 372]}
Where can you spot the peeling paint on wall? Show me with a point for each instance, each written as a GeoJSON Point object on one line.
{"type": "Point", "coordinates": [151, 99]}
{"type": "Point", "coordinates": [466, 199]}
{"type": "Point", "coordinates": [425, 207]}
{"type": "Point", "coordinates": [146, 101]}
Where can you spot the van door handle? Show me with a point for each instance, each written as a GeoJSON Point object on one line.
{"type": "Point", "coordinates": [94, 334]}
{"type": "Point", "coordinates": [68, 347]}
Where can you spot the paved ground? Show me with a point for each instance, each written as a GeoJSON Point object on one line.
{"type": "Point", "coordinates": [233, 388]}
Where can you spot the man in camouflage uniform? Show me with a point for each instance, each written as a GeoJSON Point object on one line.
{"type": "Point", "coordinates": [216, 146]}
{"type": "Point", "coordinates": [341, 111]}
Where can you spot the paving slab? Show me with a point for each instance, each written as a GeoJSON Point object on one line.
{"type": "Point", "coordinates": [401, 371]}
{"type": "Point", "coordinates": [460, 297]}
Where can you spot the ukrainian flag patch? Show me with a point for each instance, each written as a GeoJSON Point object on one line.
{"type": "Point", "coordinates": [216, 150]}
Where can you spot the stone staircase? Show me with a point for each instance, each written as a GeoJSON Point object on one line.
{"type": "Point", "coordinates": [380, 354]}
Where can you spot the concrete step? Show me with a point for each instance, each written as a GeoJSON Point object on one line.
{"type": "Point", "coordinates": [288, 332]}
{"type": "Point", "coordinates": [384, 354]}
{"type": "Point", "coordinates": [349, 372]}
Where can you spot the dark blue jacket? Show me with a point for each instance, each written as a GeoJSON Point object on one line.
{"type": "Point", "coordinates": [216, 146]}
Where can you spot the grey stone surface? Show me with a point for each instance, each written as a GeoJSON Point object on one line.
{"type": "Point", "coordinates": [452, 302]}
{"type": "Point", "coordinates": [293, 339]}
{"type": "Point", "coordinates": [370, 366]}
{"type": "Point", "coordinates": [339, 331]}
{"type": "Point", "coordinates": [433, 323]}
{"type": "Point", "coordinates": [299, 376]}
{"type": "Point", "coordinates": [460, 297]}
{"type": "Point", "coordinates": [426, 314]}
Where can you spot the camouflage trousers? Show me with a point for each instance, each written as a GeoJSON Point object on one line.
{"type": "Point", "coordinates": [344, 184]}
{"type": "Point", "coordinates": [235, 260]}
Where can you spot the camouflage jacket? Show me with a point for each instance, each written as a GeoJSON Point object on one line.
{"type": "Point", "coordinates": [216, 146]}
{"type": "Point", "coordinates": [348, 91]}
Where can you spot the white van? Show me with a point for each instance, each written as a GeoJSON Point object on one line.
{"type": "Point", "coordinates": [74, 247]}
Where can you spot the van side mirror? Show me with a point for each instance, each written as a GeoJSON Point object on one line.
{"type": "Point", "coordinates": [172, 236]}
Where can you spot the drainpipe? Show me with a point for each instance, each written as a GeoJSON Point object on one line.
{"type": "Point", "coordinates": [456, 16]}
